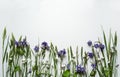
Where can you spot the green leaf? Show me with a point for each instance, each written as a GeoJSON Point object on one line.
{"type": "Point", "coordinates": [35, 68]}
{"type": "Point", "coordinates": [115, 39]}
{"type": "Point", "coordinates": [20, 38]}
{"type": "Point", "coordinates": [77, 55]}
{"type": "Point", "coordinates": [5, 52]}
{"type": "Point", "coordinates": [82, 55]}
{"type": "Point", "coordinates": [20, 52]}
{"type": "Point", "coordinates": [93, 73]}
{"type": "Point", "coordinates": [6, 57]}
{"type": "Point", "coordinates": [17, 68]}
{"type": "Point", "coordinates": [4, 35]}
{"type": "Point", "coordinates": [75, 74]}
{"type": "Point", "coordinates": [105, 41]}
{"type": "Point", "coordinates": [68, 55]}
{"type": "Point", "coordinates": [13, 38]}
{"type": "Point", "coordinates": [66, 73]}
{"type": "Point", "coordinates": [71, 51]}
{"type": "Point", "coordinates": [106, 72]}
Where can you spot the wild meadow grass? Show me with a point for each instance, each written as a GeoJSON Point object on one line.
{"type": "Point", "coordinates": [19, 59]}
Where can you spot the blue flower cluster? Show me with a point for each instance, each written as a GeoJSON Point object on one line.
{"type": "Point", "coordinates": [36, 48]}
{"type": "Point", "coordinates": [80, 69]}
{"type": "Point", "coordinates": [61, 53]}
{"type": "Point", "coordinates": [93, 65]}
{"type": "Point", "coordinates": [96, 45]}
{"type": "Point", "coordinates": [44, 46]}
{"type": "Point", "coordinates": [90, 54]}
{"type": "Point", "coordinates": [21, 43]}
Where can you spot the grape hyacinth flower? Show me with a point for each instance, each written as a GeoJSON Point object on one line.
{"type": "Point", "coordinates": [18, 43]}
{"type": "Point", "coordinates": [61, 53]}
{"type": "Point", "coordinates": [21, 43]}
{"type": "Point", "coordinates": [24, 42]}
{"type": "Point", "coordinates": [36, 48]}
{"type": "Point", "coordinates": [44, 46]}
{"type": "Point", "coordinates": [101, 46]}
{"type": "Point", "coordinates": [89, 43]}
{"type": "Point", "coordinates": [80, 69]}
{"type": "Point", "coordinates": [93, 65]}
{"type": "Point", "coordinates": [90, 54]}
{"type": "Point", "coordinates": [96, 46]}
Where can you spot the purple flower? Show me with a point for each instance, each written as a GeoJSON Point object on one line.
{"type": "Point", "coordinates": [101, 46]}
{"type": "Point", "coordinates": [36, 48]}
{"type": "Point", "coordinates": [89, 43]}
{"type": "Point", "coordinates": [18, 44]}
{"type": "Point", "coordinates": [93, 66]}
{"type": "Point", "coordinates": [45, 46]}
{"type": "Point", "coordinates": [90, 54]}
{"type": "Point", "coordinates": [21, 43]}
{"type": "Point", "coordinates": [24, 42]}
{"type": "Point", "coordinates": [96, 46]}
{"type": "Point", "coordinates": [80, 69]}
{"type": "Point", "coordinates": [61, 53]}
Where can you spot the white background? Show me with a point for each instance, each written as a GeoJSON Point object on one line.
{"type": "Point", "coordinates": [63, 22]}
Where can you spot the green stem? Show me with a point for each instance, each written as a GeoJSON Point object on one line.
{"type": "Point", "coordinates": [104, 59]}
{"type": "Point", "coordinates": [61, 67]}
{"type": "Point", "coordinates": [26, 70]}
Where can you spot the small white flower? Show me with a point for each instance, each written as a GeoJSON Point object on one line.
{"type": "Point", "coordinates": [24, 60]}
{"type": "Point", "coordinates": [10, 58]}
{"type": "Point", "coordinates": [63, 66]}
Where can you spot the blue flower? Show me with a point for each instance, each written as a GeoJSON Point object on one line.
{"type": "Point", "coordinates": [90, 54]}
{"type": "Point", "coordinates": [80, 69]}
{"type": "Point", "coordinates": [24, 42]}
{"type": "Point", "coordinates": [45, 46]}
{"type": "Point", "coordinates": [61, 53]}
{"type": "Point", "coordinates": [18, 44]}
{"type": "Point", "coordinates": [93, 66]}
{"type": "Point", "coordinates": [21, 43]}
{"type": "Point", "coordinates": [36, 48]}
{"type": "Point", "coordinates": [101, 46]}
{"type": "Point", "coordinates": [96, 46]}
{"type": "Point", "coordinates": [89, 43]}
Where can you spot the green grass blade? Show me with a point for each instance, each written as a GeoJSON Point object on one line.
{"type": "Point", "coordinates": [115, 39]}
{"type": "Point", "coordinates": [4, 35]}
{"type": "Point", "coordinates": [105, 40]}
{"type": "Point", "coordinates": [5, 52]}
{"type": "Point", "coordinates": [71, 51]}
